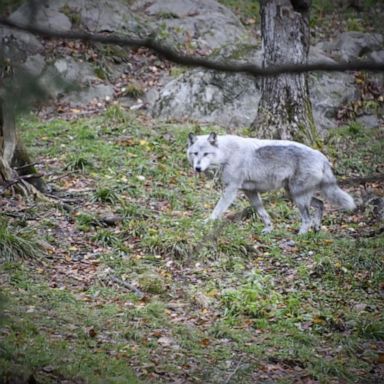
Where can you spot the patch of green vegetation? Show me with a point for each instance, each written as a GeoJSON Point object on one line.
{"type": "Point", "coordinates": [18, 243]}
{"type": "Point", "coordinates": [152, 283]}
{"type": "Point", "coordinates": [48, 323]}
{"type": "Point", "coordinates": [85, 221]}
{"type": "Point", "coordinates": [107, 238]}
{"type": "Point", "coordinates": [8, 6]}
{"type": "Point", "coordinates": [133, 90]}
{"type": "Point", "coordinates": [244, 8]}
{"type": "Point", "coordinates": [78, 163]}
{"type": "Point", "coordinates": [105, 195]}
{"type": "Point", "coordinates": [210, 301]}
{"type": "Point", "coordinates": [177, 71]}
{"type": "Point", "coordinates": [74, 15]}
{"type": "Point", "coordinates": [368, 146]}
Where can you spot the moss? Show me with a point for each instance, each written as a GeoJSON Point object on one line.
{"type": "Point", "coordinates": [72, 14]}
{"type": "Point", "coordinates": [152, 283]}
{"type": "Point", "coordinates": [133, 90]}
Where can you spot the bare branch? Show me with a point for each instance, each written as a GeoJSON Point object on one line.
{"type": "Point", "coordinates": [194, 61]}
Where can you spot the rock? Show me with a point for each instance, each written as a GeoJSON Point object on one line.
{"type": "Point", "coordinates": [204, 23]}
{"type": "Point", "coordinates": [316, 54]}
{"type": "Point", "coordinates": [231, 100]}
{"type": "Point", "coordinates": [375, 204]}
{"type": "Point", "coordinates": [34, 64]}
{"type": "Point", "coordinates": [107, 16]}
{"type": "Point", "coordinates": [369, 121]}
{"type": "Point", "coordinates": [73, 71]}
{"type": "Point", "coordinates": [327, 92]}
{"type": "Point", "coordinates": [95, 16]}
{"type": "Point", "coordinates": [17, 45]}
{"type": "Point", "coordinates": [51, 81]}
{"type": "Point", "coordinates": [93, 93]}
{"type": "Point", "coordinates": [42, 14]}
{"type": "Point", "coordinates": [208, 96]}
{"type": "Point", "coordinates": [353, 45]}
{"type": "Point", "coordinates": [376, 56]}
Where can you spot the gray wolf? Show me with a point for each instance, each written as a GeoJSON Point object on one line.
{"type": "Point", "coordinates": [255, 166]}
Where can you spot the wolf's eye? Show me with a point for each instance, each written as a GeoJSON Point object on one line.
{"type": "Point", "coordinates": [195, 153]}
{"type": "Point", "coordinates": [206, 154]}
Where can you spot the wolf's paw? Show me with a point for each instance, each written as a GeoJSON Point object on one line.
{"type": "Point", "coordinates": [266, 230]}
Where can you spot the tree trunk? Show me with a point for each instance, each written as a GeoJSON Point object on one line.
{"type": "Point", "coordinates": [285, 109]}
{"type": "Point", "coordinates": [13, 153]}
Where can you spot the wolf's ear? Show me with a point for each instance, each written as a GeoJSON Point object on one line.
{"type": "Point", "coordinates": [191, 138]}
{"type": "Point", "coordinates": [212, 139]}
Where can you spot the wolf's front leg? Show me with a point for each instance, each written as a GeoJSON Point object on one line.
{"type": "Point", "coordinates": [255, 199]}
{"type": "Point", "coordinates": [228, 197]}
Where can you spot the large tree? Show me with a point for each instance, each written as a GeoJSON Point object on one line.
{"type": "Point", "coordinates": [285, 109]}
{"type": "Point", "coordinates": [17, 89]}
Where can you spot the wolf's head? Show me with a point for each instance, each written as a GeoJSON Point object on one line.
{"type": "Point", "coordinates": [203, 151]}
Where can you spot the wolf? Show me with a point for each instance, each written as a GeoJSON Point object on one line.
{"type": "Point", "coordinates": [255, 166]}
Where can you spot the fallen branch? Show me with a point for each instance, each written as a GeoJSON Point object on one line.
{"type": "Point", "coordinates": [194, 61]}
{"type": "Point", "coordinates": [125, 284]}
{"type": "Point", "coordinates": [229, 378]}
{"type": "Point", "coordinates": [27, 166]}
{"type": "Point", "coordinates": [361, 179]}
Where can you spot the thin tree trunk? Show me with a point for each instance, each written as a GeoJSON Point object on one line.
{"type": "Point", "coordinates": [285, 109]}
{"type": "Point", "coordinates": [7, 142]}
{"type": "Point", "coordinates": [13, 153]}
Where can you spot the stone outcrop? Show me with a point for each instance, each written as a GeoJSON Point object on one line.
{"type": "Point", "coordinates": [201, 26]}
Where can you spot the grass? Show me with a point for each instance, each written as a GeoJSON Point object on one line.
{"type": "Point", "coordinates": [189, 301]}
{"type": "Point", "coordinates": [17, 243]}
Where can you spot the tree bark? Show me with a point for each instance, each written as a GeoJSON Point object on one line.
{"type": "Point", "coordinates": [285, 109]}
{"type": "Point", "coordinates": [13, 153]}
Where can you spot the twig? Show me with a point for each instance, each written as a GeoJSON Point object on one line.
{"type": "Point", "coordinates": [362, 179]}
{"type": "Point", "coordinates": [125, 284]}
{"type": "Point", "coordinates": [27, 165]}
{"type": "Point", "coordinates": [229, 378]}
{"type": "Point", "coordinates": [58, 177]}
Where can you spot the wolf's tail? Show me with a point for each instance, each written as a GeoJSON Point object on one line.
{"type": "Point", "coordinates": [333, 192]}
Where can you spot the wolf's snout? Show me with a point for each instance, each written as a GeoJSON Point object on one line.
{"type": "Point", "coordinates": [198, 168]}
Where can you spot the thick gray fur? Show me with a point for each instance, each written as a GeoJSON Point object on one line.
{"type": "Point", "coordinates": [256, 166]}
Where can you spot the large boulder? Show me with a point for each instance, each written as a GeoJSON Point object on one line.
{"type": "Point", "coordinates": [198, 95]}
{"type": "Point", "coordinates": [354, 45]}
{"type": "Point", "coordinates": [208, 96]}
{"type": "Point", "coordinates": [202, 24]}
{"type": "Point", "coordinates": [202, 27]}
{"type": "Point", "coordinates": [93, 15]}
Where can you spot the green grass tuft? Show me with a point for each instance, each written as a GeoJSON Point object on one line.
{"type": "Point", "coordinates": [18, 243]}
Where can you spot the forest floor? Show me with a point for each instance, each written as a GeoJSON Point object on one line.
{"type": "Point", "coordinates": [129, 285]}
{"type": "Point", "coordinates": [116, 279]}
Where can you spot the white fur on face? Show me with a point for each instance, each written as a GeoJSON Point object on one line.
{"type": "Point", "coordinates": [201, 154]}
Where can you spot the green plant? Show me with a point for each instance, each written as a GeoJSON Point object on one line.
{"type": "Point", "coordinates": [18, 243]}
{"type": "Point", "coordinates": [115, 113]}
{"type": "Point", "coordinates": [256, 298]}
{"type": "Point", "coordinates": [77, 163]}
{"type": "Point", "coordinates": [74, 15]}
{"type": "Point", "coordinates": [134, 90]}
{"type": "Point", "coordinates": [105, 195]}
{"type": "Point", "coordinates": [106, 238]}
{"type": "Point", "coordinates": [151, 283]}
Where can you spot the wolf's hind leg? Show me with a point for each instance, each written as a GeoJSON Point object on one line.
{"type": "Point", "coordinates": [318, 215]}
{"type": "Point", "coordinates": [302, 201]}
{"type": "Point", "coordinates": [255, 199]}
